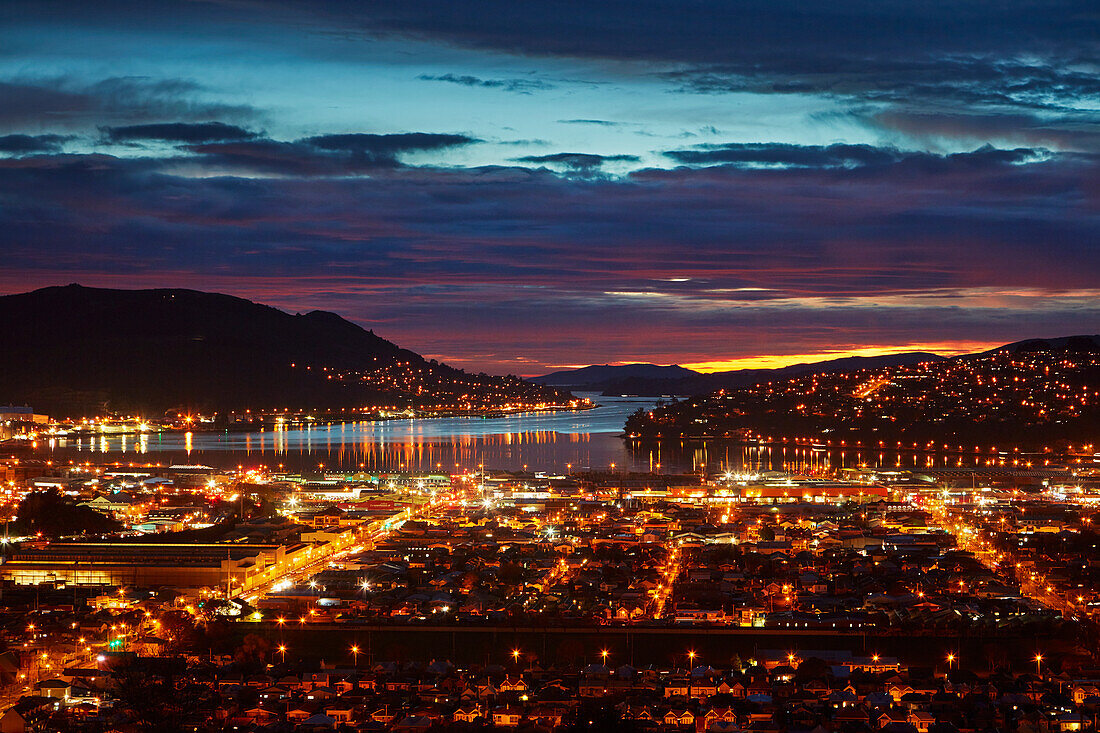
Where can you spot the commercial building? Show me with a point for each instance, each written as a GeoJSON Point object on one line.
{"type": "Point", "coordinates": [152, 564]}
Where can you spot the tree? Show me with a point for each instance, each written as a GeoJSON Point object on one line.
{"type": "Point", "coordinates": [813, 668]}
{"type": "Point", "coordinates": [152, 700]}
{"type": "Point", "coordinates": [252, 652]}
{"type": "Point", "coordinates": [55, 515]}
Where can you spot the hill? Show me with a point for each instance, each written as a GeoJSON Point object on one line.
{"type": "Point", "coordinates": [598, 376]}
{"type": "Point", "coordinates": [1064, 343]}
{"type": "Point", "coordinates": [649, 379]}
{"type": "Point", "coordinates": [1031, 393]}
{"type": "Point", "coordinates": [75, 350]}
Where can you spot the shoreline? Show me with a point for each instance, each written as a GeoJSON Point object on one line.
{"type": "Point", "coordinates": [263, 426]}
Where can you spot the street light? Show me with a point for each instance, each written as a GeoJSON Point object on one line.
{"type": "Point", "coordinates": [515, 655]}
{"type": "Point", "coordinates": [691, 656]}
{"type": "Point", "coordinates": [950, 659]}
{"type": "Point", "coordinates": [604, 653]}
{"type": "Point", "coordinates": [1039, 664]}
{"type": "Point", "coordinates": [282, 653]}
{"type": "Point", "coordinates": [355, 655]}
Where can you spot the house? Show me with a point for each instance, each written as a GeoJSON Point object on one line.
{"type": "Point", "coordinates": [507, 716]}
{"type": "Point", "coordinates": [547, 714]}
{"type": "Point", "coordinates": [300, 713]}
{"type": "Point", "coordinates": [341, 713]}
{"type": "Point", "coordinates": [702, 689]}
{"type": "Point", "coordinates": [679, 717]}
{"type": "Point", "coordinates": [413, 724]}
{"type": "Point", "coordinates": [921, 720]}
{"type": "Point", "coordinates": [1068, 722]}
{"type": "Point", "coordinates": [317, 722]}
{"type": "Point", "coordinates": [274, 693]}
{"type": "Point", "coordinates": [321, 693]}
{"type": "Point", "coordinates": [889, 717]}
{"type": "Point", "coordinates": [677, 688]}
{"type": "Point", "coordinates": [735, 689]}
{"type": "Point", "coordinates": [54, 688]}
{"type": "Point", "coordinates": [466, 713]}
{"type": "Point", "coordinates": [1082, 692]}
{"type": "Point", "coordinates": [261, 716]}
{"type": "Point", "coordinates": [722, 714]}
{"type": "Point", "coordinates": [513, 685]}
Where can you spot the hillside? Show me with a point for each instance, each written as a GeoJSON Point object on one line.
{"type": "Point", "coordinates": [599, 376]}
{"type": "Point", "coordinates": [649, 379]}
{"type": "Point", "coordinates": [1032, 393]}
{"type": "Point", "coordinates": [75, 350]}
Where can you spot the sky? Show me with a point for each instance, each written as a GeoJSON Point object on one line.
{"type": "Point", "coordinates": [519, 187]}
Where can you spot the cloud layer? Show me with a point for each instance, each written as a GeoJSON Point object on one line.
{"type": "Point", "coordinates": [516, 187]}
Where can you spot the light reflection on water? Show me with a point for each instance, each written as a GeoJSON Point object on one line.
{"type": "Point", "coordinates": [538, 441]}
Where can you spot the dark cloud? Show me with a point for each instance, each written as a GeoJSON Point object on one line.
{"type": "Point", "coordinates": [388, 144]}
{"type": "Point", "coordinates": [601, 123]}
{"type": "Point", "coordinates": [783, 155]}
{"type": "Point", "coordinates": [18, 144]}
{"type": "Point", "coordinates": [322, 155]}
{"type": "Point", "coordinates": [178, 132]}
{"type": "Point", "coordinates": [69, 104]}
{"type": "Point", "coordinates": [583, 162]}
{"type": "Point", "coordinates": [715, 31]}
{"type": "Point", "coordinates": [522, 86]}
{"type": "Point", "coordinates": [729, 259]}
{"type": "Point", "coordinates": [1009, 57]}
{"type": "Point", "coordinates": [1045, 83]}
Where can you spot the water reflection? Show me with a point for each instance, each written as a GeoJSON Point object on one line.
{"type": "Point", "coordinates": [537, 441]}
{"type": "Point", "coordinates": [717, 456]}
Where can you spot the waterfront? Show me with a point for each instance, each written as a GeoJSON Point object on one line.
{"type": "Point", "coordinates": [537, 440]}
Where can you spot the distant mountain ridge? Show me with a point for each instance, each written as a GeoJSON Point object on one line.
{"type": "Point", "coordinates": [608, 373]}
{"type": "Point", "coordinates": [646, 379]}
{"type": "Point", "coordinates": [1084, 343]}
{"type": "Point", "coordinates": [79, 351]}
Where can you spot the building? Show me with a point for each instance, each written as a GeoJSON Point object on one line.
{"type": "Point", "coordinates": [154, 564]}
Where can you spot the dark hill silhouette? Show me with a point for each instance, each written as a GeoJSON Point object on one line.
{"type": "Point", "coordinates": [1080, 343]}
{"type": "Point", "coordinates": [599, 375]}
{"type": "Point", "coordinates": [647, 379]}
{"type": "Point", "coordinates": [78, 350]}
